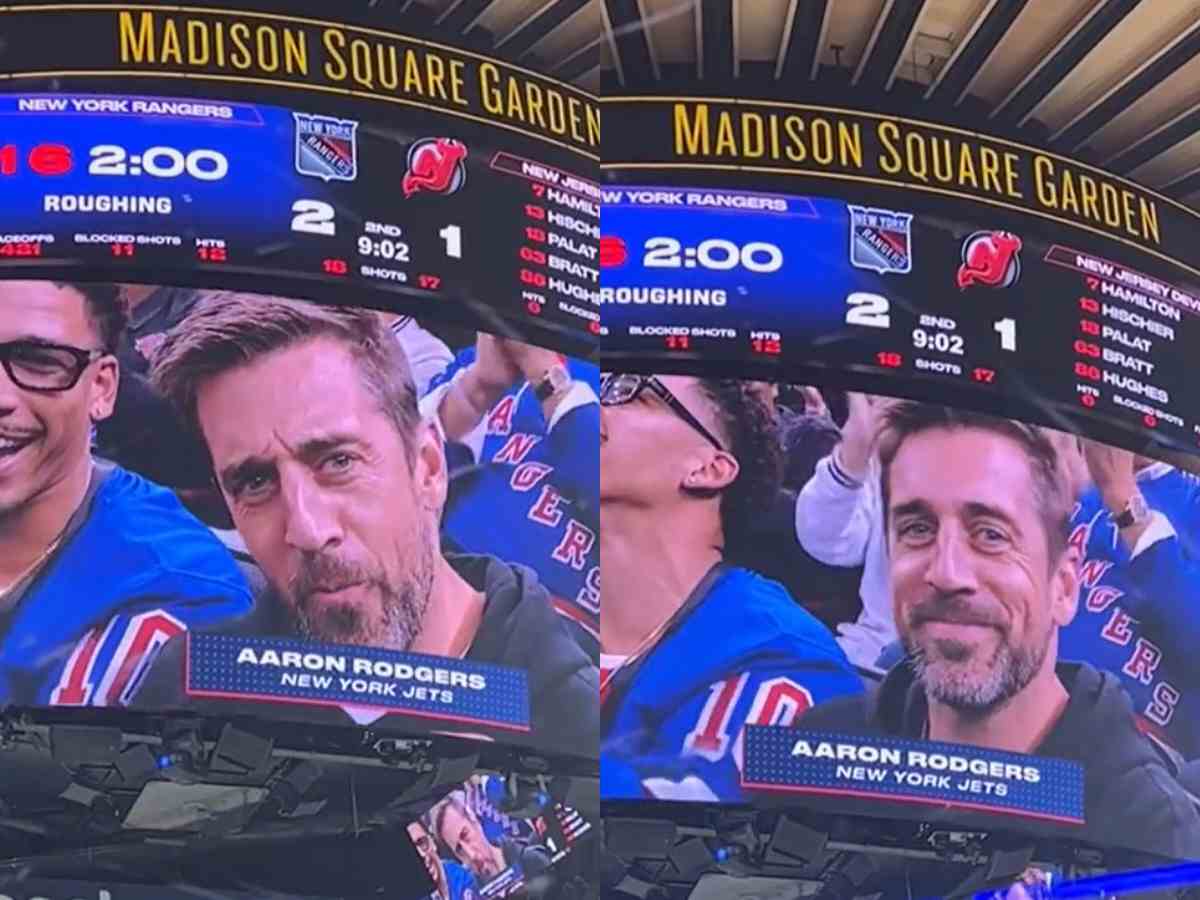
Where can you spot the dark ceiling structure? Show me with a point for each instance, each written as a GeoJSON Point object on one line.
{"type": "Point", "coordinates": [1113, 82]}
{"type": "Point", "coordinates": [560, 37]}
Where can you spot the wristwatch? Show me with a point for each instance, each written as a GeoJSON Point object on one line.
{"type": "Point", "coordinates": [1135, 512]}
{"type": "Point", "coordinates": [556, 380]}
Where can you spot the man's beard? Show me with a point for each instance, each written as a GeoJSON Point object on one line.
{"type": "Point", "coordinates": [402, 600]}
{"type": "Point", "coordinates": [949, 677]}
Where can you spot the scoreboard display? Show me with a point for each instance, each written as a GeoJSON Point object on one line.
{"type": "Point", "coordinates": [430, 213]}
{"type": "Point", "coordinates": [1033, 318]}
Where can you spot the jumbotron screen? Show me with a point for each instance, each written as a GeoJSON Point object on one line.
{"type": "Point", "coordinates": [295, 420]}
{"type": "Point", "coordinates": [895, 608]}
{"type": "Point", "coordinates": [239, 504]}
{"type": "Point", "coordinates": [898, 490]}
{"type": "Point", "coordinates": [868, 249]}
{"type": "Point", "coordinates": [1034, 318]}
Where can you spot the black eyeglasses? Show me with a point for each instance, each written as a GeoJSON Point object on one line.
{"type": "Point", "coordinates": [617, 390]}
{"type": "Point", "coordinates": [44, 367]}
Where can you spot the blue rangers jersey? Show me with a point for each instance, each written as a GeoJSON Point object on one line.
{"type": "Point", "coordinates": [460, 883]}
{"type": "Point", "coordinates": [529, 493]}
{"type": "Point", "coordinates": [1138, 614]}
{"type": "Point", "coordinates": [137, 570]}
{"type": "Point", "coordinates": [739, 652]}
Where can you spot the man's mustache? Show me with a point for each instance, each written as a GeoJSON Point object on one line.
{"type": "Point", "coordinates": [326, 574]}
{"type": "Point", "coordinates": [957, 609]}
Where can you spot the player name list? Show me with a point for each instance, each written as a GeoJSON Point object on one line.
{"type": "Point", "coordinates": [558, 246]}
{"type": "Point", "coordinates": [1128, 321]}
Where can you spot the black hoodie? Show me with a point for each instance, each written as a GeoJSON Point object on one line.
{"type": "Point", "coordinates": [1130, 798]}
{"type": "Point", "coordinates": [519, 629]}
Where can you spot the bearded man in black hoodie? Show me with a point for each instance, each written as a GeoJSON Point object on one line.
{"type": "Point", "coordinates": [976, 516]}
{"type": "Point", "coordinates": [336, 484]}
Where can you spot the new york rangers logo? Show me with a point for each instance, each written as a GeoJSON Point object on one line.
{"type": "Point", "coordinates": [326, 148]}
{"type": "Point", "coordinates": [880, 240]}
{"type": "Point", "coordinates": [990, 258]}
{"type": "Point", "coordinates": [436, 165]}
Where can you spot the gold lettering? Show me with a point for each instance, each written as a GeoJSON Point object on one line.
{"type": "Point", "coordinates": [1070, 198]}
{"type": "Point", "coordinates": [754, 137]}
{"type": "Point", "coordinates": [535, 101]}
{"type": "Point", "coordinates": [457, 82]}
{"type": "Point", "coordinates": [136, 46]}
{"type": "Point", "coordinates": [516, 108]}
{"type": "Point", "coordinates": [171, 49]}
{"type": "Point", "coordinates": [1149, 211]}
{"type": "Point", "coordinates": [220, 43]}
{"type": "Point", "coordinates": [295, 52]}
{"type": "Point", "coordinates": [990, 166]}
{"type": "Point", "coordinates": [915, 155]}
{"type": "Point", "coordinates": [1011, 176]}
{"type": "Point", "coordinates": [575, 115]}
{"type": "Point", "coordinates": [892, 162]}
{"type": "Point", "coordinates": [435, 75]}
{"type": "Point", "coordinates": [197, 43]}
{"type": "Point", "coordinates": [1110, 204]}
{"type": "Point", "coordinates": [966, 167]}
{"type": "Point", "coordinates": [267, 44]}
{"type": "Point", "coordinates": [593, 123]}
{"type": "Point", "coordinates": [822, 141]}
{"type": "Point", "coordinates": [726, 142]}
{"type": "Point", "coordinates": [1088, 192]}
{"type": "Point", "coordinates": [361, 71]}
{"type": "Point", "coordinates": [489, 91]}
{"type": "Point", "coordinates": [335, 67]}
{"type": "Point", "coordinates": [943, 160]}
{"type": "Point", "coordinates": [239, 33]}
{"type": "Point", "coordinates": [1043, 181]}
{"type": "Point", "coordinates": [412, 74]}
{"type": "Point", "coordinates": [558, 116]}
{"type": "Point", "coordinates": [387, 66]}
{"type": "Point", "coordinates": [850, 144]}
{"type": "Point", "coordinates": [1130, 217]}
{"type": "Point", "coordinates": [794, 126]}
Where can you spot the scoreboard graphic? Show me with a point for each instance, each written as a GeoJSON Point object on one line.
{"type": "Point", "coordinates": [439, 215]}
{"type": "Point", "coordinates": [1036, 319]}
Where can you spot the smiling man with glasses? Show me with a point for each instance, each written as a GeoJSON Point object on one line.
{"type": "Point", "coordinates": [98, 567]}
{"type": "Point", "coordinates": [693, 648]}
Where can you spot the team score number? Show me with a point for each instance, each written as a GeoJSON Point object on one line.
{"type": "Point", "coordinates": [716, 254]}
{"type": "Point", "coordinates": [868, 310]}
{"type": "Point", "coordinates": [159, 162]}
{"type": "Point", "coordinates": [314, 217]}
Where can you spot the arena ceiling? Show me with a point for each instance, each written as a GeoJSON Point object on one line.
{"type": "Point", "coordinates": [561, 37]}
{"type": "Point", "coordinates": [1114, 82]}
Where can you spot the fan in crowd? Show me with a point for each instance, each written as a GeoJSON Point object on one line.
{"type": "Point", "coordinates": [694, 647]}
{"type": "Point", "coordinates": [98, 566]}
{"type": "Point", "coordinates": [521, 424]}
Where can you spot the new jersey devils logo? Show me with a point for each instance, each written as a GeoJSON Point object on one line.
{"type": "Point", "coordinates": [437, 165]}
{"type": "Point", "coordinates": [990, 258]}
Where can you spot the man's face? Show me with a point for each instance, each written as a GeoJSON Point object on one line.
{"type": "Point", "coordinates": [324, 495]}
{"type": "Point", "coordinates": [44, 436]}
{"type": "Point", "coordinates": [647, 451]}
{"type": "Point", "coordinates": [976, 598]}
{"type": "Point", "coordinates": [427, 850]}
{"type": "Point", "coordinates": [466, 840]}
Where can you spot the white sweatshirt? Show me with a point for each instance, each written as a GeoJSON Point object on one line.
{"type": "Point", "coordinates": [839, 521]}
